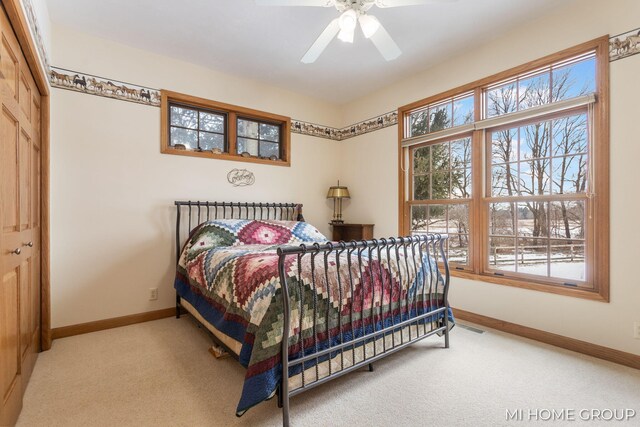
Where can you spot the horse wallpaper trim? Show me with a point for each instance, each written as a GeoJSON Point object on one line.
{"type": "Point", "coordinates": [370, 125]}
{"type": "Point", "coordinates": [111, 88]}
{"type": "Point", "coordinates": [312, 129]}
{"type": "Point", "coordinates": [623, 45]}
{"type": "Point", "coordinates": [94, 85]}
{"type": "Point", "coordinates": [357, 129]}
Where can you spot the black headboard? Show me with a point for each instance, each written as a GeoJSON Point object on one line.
{"type": "Point", "coordinates": [192, 213]}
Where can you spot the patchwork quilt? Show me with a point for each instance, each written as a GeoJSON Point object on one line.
{"type": "Point", "coordinates": [228, 271]}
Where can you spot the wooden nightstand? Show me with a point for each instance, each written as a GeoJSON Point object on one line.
{"type": "Point", "coordinates": [349, 232]}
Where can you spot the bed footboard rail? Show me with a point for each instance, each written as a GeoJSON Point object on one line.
{"type": "Point", "coordinates": [349, 304]}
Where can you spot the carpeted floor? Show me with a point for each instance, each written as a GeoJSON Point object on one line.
{"type": "Point", "coordinates": [161, 374]}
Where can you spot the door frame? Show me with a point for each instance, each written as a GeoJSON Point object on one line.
{"type": "Point", "coordinates": [39, 70]}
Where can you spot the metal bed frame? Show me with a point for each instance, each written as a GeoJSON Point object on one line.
{"type": "Point", "coordinates": [414, 324]}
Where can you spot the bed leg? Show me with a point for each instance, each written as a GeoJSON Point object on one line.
{"type": "Point", "coordinates": [370, 367]}
{"type": "Point", "coordinates": [279, 394]}
{"type": "Point", "coordinates": [285, 411]}
{"type": "Point", "coordinates": [284, 349]}
{"type": "Point", "coordinates": [177, 306]}
{"type": "Point", "coordinates": [446, 329]}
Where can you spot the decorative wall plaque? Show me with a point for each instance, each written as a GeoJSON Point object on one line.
{"type": "Point", "coordinates": [241, 177]}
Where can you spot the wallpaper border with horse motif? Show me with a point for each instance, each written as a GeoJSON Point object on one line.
{"type": "Point", "coordinates": [357, 129]}
{"type": "Point", "coordinates": [623, 45]}
{"type": "Point", "coordinates": [111, 88]}
{"type": "Point", "coordinates": [100, 86]}
{"type": "Point", "coordinates": [620, 46]}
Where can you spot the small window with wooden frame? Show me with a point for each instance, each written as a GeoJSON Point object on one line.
{"type": "Point", "coordinates": [192, 126]}
{"type": "Point", "coordinates": [517, 174]}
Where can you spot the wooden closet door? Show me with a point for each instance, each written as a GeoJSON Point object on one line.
{"type": "Point", "coordinates": [34, 225]}
{"type": "Point", "coordinates": [29, 183]}
{"type": "Point", "coordinates": [19, 224]}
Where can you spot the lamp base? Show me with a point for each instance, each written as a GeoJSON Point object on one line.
{"type": "Point", "coordinates": [336, 221]}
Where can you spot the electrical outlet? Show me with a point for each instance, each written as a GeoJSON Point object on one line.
{"type": "Point", "coordinates": [636, 330]}
{"type": "Point", "coordinates": [153, 294]}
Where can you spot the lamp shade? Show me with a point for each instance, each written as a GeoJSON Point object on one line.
{"type": "Point", "coordinates": [338, 192]}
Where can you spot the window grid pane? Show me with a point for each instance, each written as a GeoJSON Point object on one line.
{"type": "Point", "coordinates": [560, 81]}
{"type": "Point", "coordinates": [442, 171]}
{"type": "Point", "coordinates": [196, 129]}
{"type": "Point", "coordinates": [451, 219]}
{"type": "Point", "coordinates": [543, 158]}
{"type": "Point", "coordinates": [258, 139]}
{"type": "Point", "coordinates": [539, 238]}
{"type": "Point", "coordinates": [445, 114]}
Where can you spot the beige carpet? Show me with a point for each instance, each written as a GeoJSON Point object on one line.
{"type": "Point", "coordinates": [161, 374]}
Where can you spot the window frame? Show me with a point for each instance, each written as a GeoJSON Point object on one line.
{"type": "Point", "coordinates": [597, 253]}
{"type": "Point", "coordinates": [232, 113]}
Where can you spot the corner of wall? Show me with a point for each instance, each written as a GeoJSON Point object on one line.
{"type": "Point", "coordinates": [37, 14]}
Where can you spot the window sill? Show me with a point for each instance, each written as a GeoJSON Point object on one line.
{"type": "Point", "coordinates": [592, 295]}
{"type": "Point", "coordinates": [225, 156]}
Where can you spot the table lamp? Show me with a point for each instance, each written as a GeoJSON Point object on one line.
{"type": "Point", "coordinates": [337, 193]}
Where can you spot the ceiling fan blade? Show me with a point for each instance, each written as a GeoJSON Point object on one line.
{"type": "Point", "coordinates": [322, 42]}
{"type": "Point", "coordinates": [398, 3]}
{"type": "Point", "coordinates": [385, 44]}
{"type": "Point", "coordinates": [321, 3]}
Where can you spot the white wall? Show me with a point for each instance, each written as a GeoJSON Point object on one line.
{"type": "Point", "coordinates": [375, 198]}
{"type": "Point", "coordinates": [44, 21]}
{"type": "Point", "coordinates": [112, 191]}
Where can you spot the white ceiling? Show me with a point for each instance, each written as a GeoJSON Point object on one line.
{"type": "Point", "coordinates": [266, 43]}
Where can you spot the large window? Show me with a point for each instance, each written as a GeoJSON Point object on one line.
{"type": "Point", "coordinates": [203, 128]}
{"type": "Point", "coordinates": [514, 169]}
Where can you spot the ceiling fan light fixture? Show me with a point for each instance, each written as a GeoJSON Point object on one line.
{"type": "Point", "coordinates": [369, 25]}
{"type": "Point", "coordinates": [353, 12]}
{"type": "Point", "coordinates": [346, 35]}
{"type": "Point", "coordinates": [349, 20]}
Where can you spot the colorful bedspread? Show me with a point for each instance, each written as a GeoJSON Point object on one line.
{"type": "Point", "coordinates": [234, 284]}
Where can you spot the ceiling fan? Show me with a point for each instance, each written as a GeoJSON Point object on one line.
{"type": "Point", "coordinates": [352, 13]}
